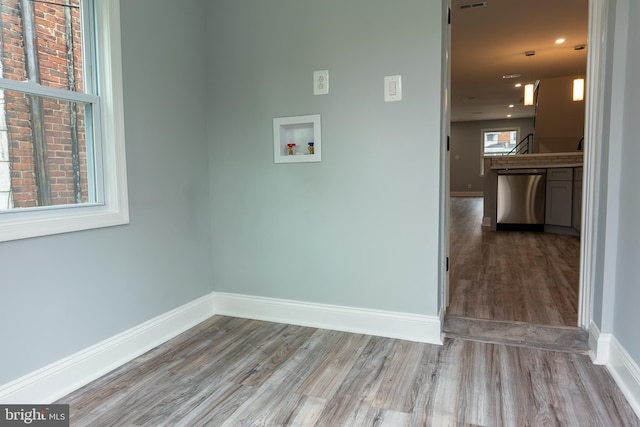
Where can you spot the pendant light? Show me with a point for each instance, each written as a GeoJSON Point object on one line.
{"type": "Point", "coordinates": [578, 89]}
{"type": "Point", "coordinates": [528, 94]}
{"type": "Point", "coordinates": [528, 88]}
{"type": "Point", "coordinates": [578, 83]}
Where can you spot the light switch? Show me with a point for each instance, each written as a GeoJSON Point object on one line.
{"type": "Point", "coordinates": [321, 82]}
{"type": "Point", "coordinates": [392, 88]}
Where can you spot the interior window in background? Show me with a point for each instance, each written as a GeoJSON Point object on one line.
{"type": "Point", "coordinates": [499, 142]}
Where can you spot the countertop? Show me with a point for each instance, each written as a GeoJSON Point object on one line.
{"type": "Point", "coordinates": [537, 160]}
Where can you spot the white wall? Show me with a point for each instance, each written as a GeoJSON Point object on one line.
{"type": "Point", "coordinates": [61, 294]}
{"type": "Point", "coordinates": [360, 228]}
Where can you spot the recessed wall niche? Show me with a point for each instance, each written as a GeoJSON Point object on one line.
{"type": "Point", "coordinates": [297, 139]}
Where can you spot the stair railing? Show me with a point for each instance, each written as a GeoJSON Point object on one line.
{"type": "Point", "coordinates": [525, 146]}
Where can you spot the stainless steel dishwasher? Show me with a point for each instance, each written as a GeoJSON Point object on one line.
{"type": "Point", "coordinates": [521, 198]}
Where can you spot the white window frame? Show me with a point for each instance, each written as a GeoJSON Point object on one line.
{"type": "Point", "coordinates": [112, 207]}
{"type": "Point", "coordinates": [483, 131]}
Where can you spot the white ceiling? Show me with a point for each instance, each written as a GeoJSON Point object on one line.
{"type": "Point", "coordinates": [489, 42]}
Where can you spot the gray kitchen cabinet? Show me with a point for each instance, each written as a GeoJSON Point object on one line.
{"type": "Point", "coordinates": [559, 197]}
{"type": "Point", "coordinates": [577, 199]}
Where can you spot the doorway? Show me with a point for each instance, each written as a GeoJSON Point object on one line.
{"type": "Point", "coordinates": [517, 258]}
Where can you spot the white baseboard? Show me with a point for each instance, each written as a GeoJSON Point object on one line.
{"type": "Point", "coordinates": [60, 378]}
{"type": "Point", "coordinates": [599, 345]}
{"type": "Point", "coordinates": [605, 349]}
{"type": "Point", "coordinates": [406, 326]}
{"type": "Point", "coordinates": [466, 194]}
{"type": "Point", "coordinates": [441, 320]}
{"type": "Point", "coordinates": [626, 372]}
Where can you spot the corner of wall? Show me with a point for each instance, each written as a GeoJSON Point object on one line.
{"type": "Point", "coordinates": [599, 345]}
{"type": "Point", "coordinates": [626, 373]}
{"type": "Point", "coordinates": [60, 378]}
{"type": "Point", "coordinates": [605, 349]}
{"type": "Point", "coordinates": [406, 326]}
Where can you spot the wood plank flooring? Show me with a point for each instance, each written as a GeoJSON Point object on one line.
{"type": "Point", "coordinates": [512, 357]}
{"type": "Point", "coordinates": [237, 372]}
{"type": "Point", "coordinates": [557, 338]}
{"type": "Point", "coordinates": [510, 275]}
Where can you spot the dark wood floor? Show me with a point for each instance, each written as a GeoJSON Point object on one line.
{"type": "Point", "coordinates": [509, 275]}
{"type": "Point", "coordinates": [236, 372]}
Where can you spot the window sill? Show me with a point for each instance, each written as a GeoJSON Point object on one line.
{"type": "Point", "coordinates": [45, 222]}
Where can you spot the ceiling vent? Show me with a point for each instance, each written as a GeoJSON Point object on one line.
{"type": "Point", "coordinates": [474, 5]}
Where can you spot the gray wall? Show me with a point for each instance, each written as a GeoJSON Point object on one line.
{"type": "Point", "coordinates": [466, 151]}
{"type": "Point", "coordinates": [358, 229]}
{"type": "Point", "coordinates": [361, 227]}
{"type": "Point", "coordinates": [63, 293]}
{"type": "Point", "coordinates": [627, 315]}
{"type": "Point", "coordinates": [608, 167]}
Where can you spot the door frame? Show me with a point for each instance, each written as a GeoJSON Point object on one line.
{"type": "Point", "coordinates": [594, 110]}
{"type": "Point", "coordinates": [445, 132]}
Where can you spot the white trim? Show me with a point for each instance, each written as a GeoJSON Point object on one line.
{"type": "Point", "coordinates": [290, 129]}
{"type": "Point", "coordinates": [626, 373]}
{"type": "Point", "coordinates": [62, 377]}
{"type": "Point", "coordinates": [467, 194]}
{"type": "Point", "coordinates": [46, 91]}
{"type": "Point", "coordinates": [443, 311]}
{"type": "Point", "coordinates": [110, 138]}
{"type": "Point", "coordinates": [66, 375]}
{"type": "Point", "coordinates": [405, 326]}
{"type": "Point", "coordinates": [594, 106]}
{"type": "Point", "coordinates": [486, 221]}
{"type": "Point", "coordinates": [599, 345]}
{"type": "Point", "coordinates": [444, 196]}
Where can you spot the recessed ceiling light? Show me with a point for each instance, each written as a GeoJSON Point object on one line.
{"type": "Point", "coordinates": [560, 41]}
{"type": "Point", "coordinates": [511, 76]}
{"type": "Point", "coordinates": [518, 85]}
{"type": "Point", "coordinates": [510, 105]}
{"type": "Point", "coordinates": [509, 115]}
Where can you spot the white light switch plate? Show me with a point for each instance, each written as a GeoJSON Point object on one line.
{"type": "Point", "coordinates": [392, 88]}
{"type": "Point", "coordinates": [321, 82]}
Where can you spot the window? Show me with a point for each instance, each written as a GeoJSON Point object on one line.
{"type": "Point", "coordinates": [498, 142]}
{"type": "Point", "coordinates": [62, 165]}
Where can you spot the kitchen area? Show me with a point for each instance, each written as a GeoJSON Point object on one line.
{"type": "Point", "coordinates": [540, 188]}
{"type": "Point", "coordinates": [534, 192]}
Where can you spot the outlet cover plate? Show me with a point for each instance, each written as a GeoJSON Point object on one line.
{"type": "Point", "coordinates": [321, 82]}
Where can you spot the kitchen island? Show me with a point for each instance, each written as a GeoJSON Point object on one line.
{"type": "Point", "coordinates": [563, 189]}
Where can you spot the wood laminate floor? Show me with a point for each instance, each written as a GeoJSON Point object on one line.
{"type": "Point", "coordinates": [237, 372]}
{"type": "Point", "coordinates": [510, 275]}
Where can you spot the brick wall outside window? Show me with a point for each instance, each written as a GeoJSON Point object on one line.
{"type": "Point", "coordinates": [52, 55]}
